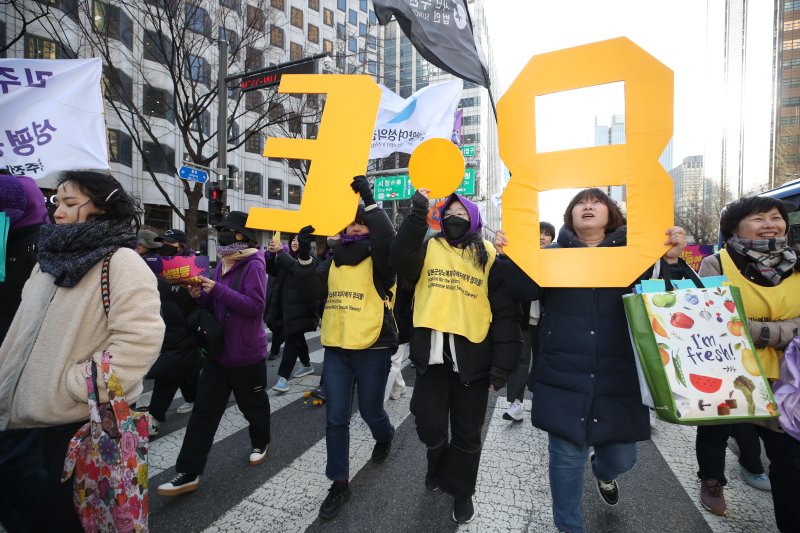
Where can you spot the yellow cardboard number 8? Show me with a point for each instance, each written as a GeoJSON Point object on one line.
{"type": "Point", "coordinates": [648, 118]}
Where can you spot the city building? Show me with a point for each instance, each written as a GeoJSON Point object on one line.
{"type": "Point", "coordinates": [689, 182]}
{"type": "Point", "coordinates": [405, 71]}
{"type": "Point", "coordinates": [138, 71]}
{"type": "Point", "coordinates": [786, 133]}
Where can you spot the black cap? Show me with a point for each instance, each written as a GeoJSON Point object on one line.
{"type": "Point", "coordinates": [236, 221]}
{"type": "Point", "coordinates": [173, 235]}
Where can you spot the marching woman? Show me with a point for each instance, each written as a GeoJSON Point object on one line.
{"type": "Point", "coordinates": [757, 258]}
{"type": "Point", "coordinates": [465, 342]}
{"type": "Point", "coordinates": [61, 324]}
{"type": "Point", "coordinates": [586, 391]}
{"type": "Point", "coordinates": [236, 296]}
{"type": "Point", "coordinates": [359, 335]}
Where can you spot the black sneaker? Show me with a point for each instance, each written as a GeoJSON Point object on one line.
{"type": "Point", "coordinates": [431, 483]}
{"type": "Point", "coordinates": [337, 495]}
{"type": "Point", "coordinates": [180, 484]}
{"type": "Point", "coordinates": [609, 490]}
{"type": "Point", "coordinates": [463, 510]}
{"type": "Point", "coordinates": [381, 451]}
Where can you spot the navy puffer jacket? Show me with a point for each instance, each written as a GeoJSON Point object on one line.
{"type": "Point", "coordinates": [586, 389]}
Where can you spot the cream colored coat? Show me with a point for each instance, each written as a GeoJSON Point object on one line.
{"type": "Point", "coordinates": [52, 388]}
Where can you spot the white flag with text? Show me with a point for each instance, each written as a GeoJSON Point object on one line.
{"type": "Point", "coordinates": [403, 123]}
{"type": "Point", "coordinates": [51, 116]}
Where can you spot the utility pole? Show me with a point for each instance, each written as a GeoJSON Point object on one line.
{"type": "Point", "coordinates": [222, 132]}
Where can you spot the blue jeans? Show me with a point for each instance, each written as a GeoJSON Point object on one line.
{"type": "Point", "coordinates": [567, 461]}
{"type": "Point", "coordinates": [367, 370]}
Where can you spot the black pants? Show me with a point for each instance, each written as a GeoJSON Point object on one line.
{"type": "Point", "coordinates": [23, 475]}
{"type": "Point", "coordinates": [711, 444]}
{"type": "Point", "coordinates": [784, 476]}
{"type": "Point", "coordinates": [515, 387]}
{"type": "Point", "coordinates": [249, 387]}
{"type": "Point", "coordinates": [277, 340]}
{"type": "Point", "coordinates": [440, 397]}
{"type": "Point", "coordinates": [164, 392]}
{"type": "Point", "coordinates": [296, 347]}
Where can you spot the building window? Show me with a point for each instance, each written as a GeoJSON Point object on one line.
{"type": "Point", "coordinates": [231, 4]}
{"type": "Point", "coordinates": [327, 17]}
{"type": "Point", "coordinates": [471, 120]}
{"type": "Point", "coordinates": [295, 124]}
{"type": "Point", "coordinates": [362, 56]}
{"type": "Point", "coordinates": [119, 147]}
{"type": "Point", "coordinates": [233, 40]}
{"type": "Point", "coordinates": [112, 22]}
{"type": "Point", "coordinates": [373, 19]}
{"type": "Point", "coordinates": [158, 216]}
{"type": "Point", "coordinates": [313, 4]}
{"type": "Point", "coordinates": [158, 158]}
{"type": "Point", "coordinates": [276, 36]}
{"type": "Point", "coordinates": [197, 19]}
{"type": "Point", "coordinates": [352, 17]}
{"type": "Point", "coordinates": [362, 29]}
{"type": "Point", "coordinates": [278, 4]}
{"type": "Point", "coordinates": [157, 103]}
{"type": "Point", "coordinates": [313, 34]}
{"type": "Point", "coordinates": [327, 45]}
{"type": "Point", "coordinates": [352, 44]}
{"type": "Point", "coordinates": [253, 59]}
{"type": "Point", "coordinates": [791, 102]}
{"type": "Point", "coordinates": [255, 17]}
{"type": "Point", "coordinates": [372, 67]}
{"type": "Point", "coordinates": [117, 85]}
{"type": "Point", "coordinates": [254, 101]}
{"type": "Point", "coordinates": [342, 5]}
{"type": "Point", "coordinates": [312, 101]}
{"type": "Point", "coordinates": [201, 123]}
{"type": "Point", "coordinates": [296, 18]}
{"type": "Point", "coordinates": [157, 47]}
{"type": "Point", "coordinates": [295, 51]}
{"type": "Point", "coordinates": [471, 138]}
{"type": "Point", "coordinates": [252, 182]}
{"type": "Point", "coordinates": [470, 102]}
{"type": "Point", "coordinates": [275, 112]}
{"type": "Point", "coordinates": [198, 69]}
{"type": "Point", "coordinates": [295, 194]}
{"type": "Point", "coordinates": [340, 31]}
{"type": "Point", "coordinates": [254, 143]}
{"type": "Point", "coordinates": [274, 189]}
{"type": "Point", "coordinates": [40, 48]}
{"type": "Point", "coordinates": [233, 132]}
{"type": "Point", "coordinates": [372, 42]}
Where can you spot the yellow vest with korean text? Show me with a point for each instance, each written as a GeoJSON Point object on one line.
{"type": "Point", "coordinates": [765, 304]}
{"type": "Point", "coordinates": [353, 315]}
{"type": "Point", "coordinates": [452, 294]}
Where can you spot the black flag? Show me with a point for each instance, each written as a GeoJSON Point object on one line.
{"type": "Point", "coordinates": [441, 31]}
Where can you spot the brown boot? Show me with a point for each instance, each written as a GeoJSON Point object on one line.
{"type": "Point", "coordinates": [712, 496]}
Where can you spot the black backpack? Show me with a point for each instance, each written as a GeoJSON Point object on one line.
{"type": "Point", "coordinates": [208, 331]}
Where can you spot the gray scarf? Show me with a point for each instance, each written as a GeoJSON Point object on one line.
{"type": "Point", "coordinates": [772, 257]}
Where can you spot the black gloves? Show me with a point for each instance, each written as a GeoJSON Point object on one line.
{"type": "Point", "coordinates": [498, 377]}
{"type": "Point", "coordinates": [362, 187]}
{"type": "Point", "coordinates": [304, 240]}
{"type": "Point", "coordinates": [420, 201]}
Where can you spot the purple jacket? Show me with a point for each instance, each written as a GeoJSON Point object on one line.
{"type": "Point", "coordinates": [245, 336]}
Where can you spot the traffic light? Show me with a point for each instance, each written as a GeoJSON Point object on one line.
{"type": "Point", "coordinates": [216, 204]}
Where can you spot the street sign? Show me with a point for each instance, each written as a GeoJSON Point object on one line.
{"type": "Point", "coordinates": [468, 150]}
{"type": "Point", "coordinates": [193, 174]}
{"type": "Point", "coordinates": [398, 187]}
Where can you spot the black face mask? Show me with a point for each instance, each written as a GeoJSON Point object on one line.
{"type": "Point", "coordinates": [455, 227]}
{"type": "Point", "coordinates": [167, 250]}
{"type": "Point", "coordinates": [226, 237]}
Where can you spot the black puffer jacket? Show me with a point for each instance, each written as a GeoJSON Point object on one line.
{"type": "Point", "coordinates": [21, 256]}
{"type": "Point", "coordinates": [501, 347]}
{"type": "Point", "coordinates": [586, 389]}
{"type": "Point", "coordinates": [179, 357]}
{"type": "Point", "coordinates": [314, 282]}
{"type": "Point", "coordinates": [288, 305]}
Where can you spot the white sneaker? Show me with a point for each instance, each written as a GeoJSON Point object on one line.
{"type": "Point", "coordinates": [397, 393]}
{"type": "Point", "coordinates": [303, 371]}
{"type": "Point", "coordinates": [185, 408]}
{"type": "Point", "coordinates": [281, 385]}
{"type": "Point", "coordinates": [180, 484]}
{"type": "Point", "coordinates": [757, 481]}
{"type": "Point", "coordinates": [514, 412]}
{"type": "Point", "coordinates": [258, 455]}
{"type": "Point", "coordinates": [155, 426]}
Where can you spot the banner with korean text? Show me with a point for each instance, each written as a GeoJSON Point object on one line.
{"type": "Point", "coordinates": [404, 123]}
{"type": "Point", "coordinates": [51, 116]}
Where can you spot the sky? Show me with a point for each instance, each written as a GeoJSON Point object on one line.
{"type": "Point", "coordinates": [674, 32]}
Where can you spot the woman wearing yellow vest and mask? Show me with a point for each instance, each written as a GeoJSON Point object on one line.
{"type": "Point", "coordinates": [466, 338]}
{"type": "Point", "coordinates": [758, 259]}
{"type": "Point", "coordinates": [359, 336]}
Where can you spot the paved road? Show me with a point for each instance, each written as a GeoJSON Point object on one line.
{"type": "Point", "coordinates": [284, 493]}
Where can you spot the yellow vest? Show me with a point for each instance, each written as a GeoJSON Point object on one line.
{"type": "Point", "coordinates": [353, 315]}
{"type": "Point", "coordinates": [452, 294]}
{"type": "Point", "coordinates": [765, 304]}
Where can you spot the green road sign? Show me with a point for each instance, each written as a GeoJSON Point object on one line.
{"type": "Point", "coordinates": [468, 150]}
{"type": "Point", "coordinates": [398, 187]}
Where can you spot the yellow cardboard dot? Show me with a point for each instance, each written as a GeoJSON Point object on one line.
{"type": "Point", "coordinates": [436, 164]}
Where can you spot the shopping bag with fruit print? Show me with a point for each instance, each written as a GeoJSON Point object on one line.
{"type": "Point", "coordinates": [696, 354]}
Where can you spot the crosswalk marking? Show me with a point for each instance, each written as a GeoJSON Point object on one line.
{"type": "Point", "coordinates": [164, 450]}
{"type": "Point", "coordinates": [289, 500]}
